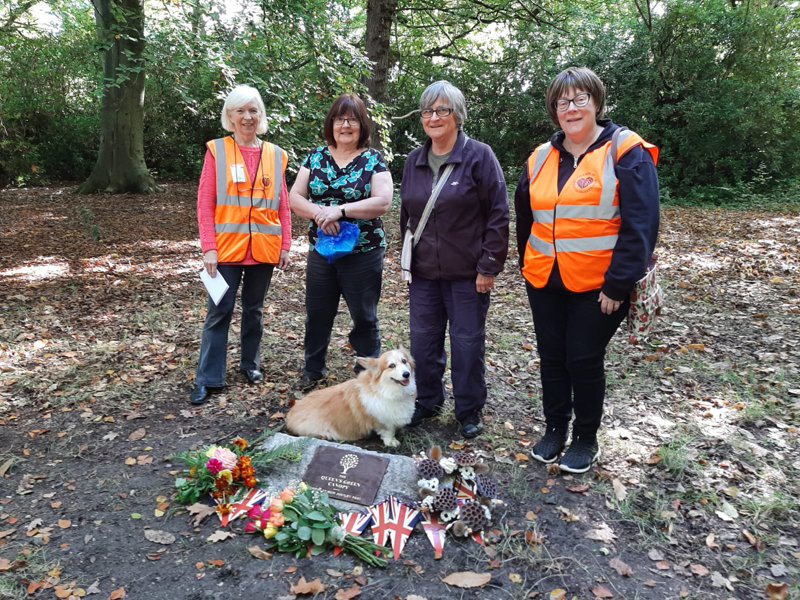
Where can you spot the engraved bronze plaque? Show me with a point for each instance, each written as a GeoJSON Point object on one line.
{"type": "Point", "coordinates": [346, 475]}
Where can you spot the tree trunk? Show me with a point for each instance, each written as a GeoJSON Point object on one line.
{"type": "Point", "coordinates": [120, 164]}
{"type": "Point", "coordinates": [380, 16]}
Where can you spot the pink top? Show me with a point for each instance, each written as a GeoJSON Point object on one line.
{"type": "Point", "coordinates": [207, 203]}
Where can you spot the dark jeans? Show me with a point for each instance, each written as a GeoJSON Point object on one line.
{"type": "Point", "coordinates": [358, 278]}
{"type": "Point", "coordinates": [433, 303]}
{"type": "Point", "coordinates": [571, 336]}
{"type": "Point", "coordinates": [213, 348]}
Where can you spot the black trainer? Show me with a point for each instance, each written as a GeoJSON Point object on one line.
{"type": "Point", "coordinates": [548, 448]}
{"type": "Point", "coordinates": [580, 455]}
{"type": "Point", "coordinates": [307, 382]}
{"type": "Point", "coordinates": [422, 413]}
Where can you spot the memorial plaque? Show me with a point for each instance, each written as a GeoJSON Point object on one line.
{"type": "Point", "coordinates": [346, 475]}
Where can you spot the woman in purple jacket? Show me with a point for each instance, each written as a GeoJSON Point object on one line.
{"type": "Point", "coordinates": [461, 249]}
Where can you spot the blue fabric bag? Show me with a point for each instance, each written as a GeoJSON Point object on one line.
{"type": "Point", "coordinates": [334, 247]}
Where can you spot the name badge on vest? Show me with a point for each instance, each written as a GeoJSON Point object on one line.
{"type": "Point", "coordinates": [237, 173]}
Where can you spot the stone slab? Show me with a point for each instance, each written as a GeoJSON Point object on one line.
{"type": "Point", "coordinates": [400, 479]}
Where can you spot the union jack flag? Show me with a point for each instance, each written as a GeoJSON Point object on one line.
{"type": "Point", "coordinates": [402, 523]}
{"type": "Point", "coordinates": [381, 515]}
{"type": "Point", "coordinates": [241, 505]}
{"type": "Point", "coordinates": [464, 490]}
{"type": "Point", "coordinates": [436, 532]}
{"type": "Point", "coordinates": [478, 537]}
{"type": "Point", "coordinates": [354, 522]}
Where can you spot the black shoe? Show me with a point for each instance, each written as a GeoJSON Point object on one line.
{"type": "Point", "coordinates": [548, 448]}
{"type": "Point", "coordinates": [306, 382]}
{"type": "Point", "coordinates": [421, 413]}
{"type": "Point", "coordinates": [580, 455]}
{"type": "Point", "coordinates": [471, 430]}
{"type": "Point", "coordinates": [199, 395]}
{"type": "Point", "coordinates": [253, 376]}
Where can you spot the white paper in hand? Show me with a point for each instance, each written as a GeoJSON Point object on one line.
{"type": "Point", "coordinates": [215, 286]}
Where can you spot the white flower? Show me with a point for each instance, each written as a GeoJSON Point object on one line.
{"type": "Point", "coordinates": [487, 512]}
{"type": "Point", "coordinates": [467, 473]}
{"type": "Point", "coordinates": [429, 484]}
{"type": "Point", "coordinates": [448, 515]}
{"type": "Point", "coordinates": [427, 502]}
{"type": "Point", "coordinates": [448, 464]}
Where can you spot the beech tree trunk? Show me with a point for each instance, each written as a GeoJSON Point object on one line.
{"type": "Point", "coordinates": [380, 16]}
{"type": "Point", "coordinates": [120, 166]}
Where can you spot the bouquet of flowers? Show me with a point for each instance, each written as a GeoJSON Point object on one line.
{"type": "Point", "coordinates": [225, 470]}
{"type": "Point", "coordinates": [457, 491]}
{"type": "Point", "coordinates": [303, 522]}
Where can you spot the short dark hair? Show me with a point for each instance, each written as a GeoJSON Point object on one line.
{"type": "Point", "coordinates": [577, 78]}
{"type": "Point", "coordinates": [343, 105]}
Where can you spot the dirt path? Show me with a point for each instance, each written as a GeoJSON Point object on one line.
{"type": "Point", "coordinates": [100, 314]}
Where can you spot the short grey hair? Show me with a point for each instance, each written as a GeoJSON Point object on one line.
{"type": "Point", "coordinates": [238, 97]}
{"type": "Point", "coordinates": [453, 95]}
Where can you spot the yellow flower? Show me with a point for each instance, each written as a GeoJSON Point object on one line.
{"type": "Point", "coordinates": [227, 475]}
{"type": "Point", "coordinates": [303, 486]}
{"type": "Point", "coordinates": [270, 531]}
{"type": "Point", "coordinates": [210, 451]}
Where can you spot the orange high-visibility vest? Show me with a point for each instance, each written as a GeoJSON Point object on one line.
{"type": "Point", "coordinates": [247, 213]}
{"type": "Point", "coordinates": [580, 225]}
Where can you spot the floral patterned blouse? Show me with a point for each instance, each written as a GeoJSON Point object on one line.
{"type": "Point", "coordinates": [330, 185]}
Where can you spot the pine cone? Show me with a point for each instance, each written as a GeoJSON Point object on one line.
{"type": "Point", "coordinates": [486, 487]}
{"type": "Point", "coordinates": [464, 459]}
{"type": "Point", "coordinates": [430, 469]}
{"type": "Point", "coordinates": [445, 500]}
{"type": "Point", "coordinates": [473, 515]}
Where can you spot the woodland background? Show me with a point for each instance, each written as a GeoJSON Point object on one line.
{"type": "Point", "coordinates": [714, 83]}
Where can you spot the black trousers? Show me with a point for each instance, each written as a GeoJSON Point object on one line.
{"type": "Point", "coordinates": [572, 335]}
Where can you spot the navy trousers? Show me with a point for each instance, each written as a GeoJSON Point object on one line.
{"type": "Point", "coordinates": [358, 278]}
{"type": "Point", "coordinates": [433, 304]}
{"type": "Point", "coordinates": [572, 334]}
{"type": "Point", "coordinates": [255, 281]}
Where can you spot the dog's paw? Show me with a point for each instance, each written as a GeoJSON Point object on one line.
{"type": "Point", "coordinates": [391, 442]}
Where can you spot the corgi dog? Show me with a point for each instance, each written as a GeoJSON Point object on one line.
{"type": "Point", "coordinates": [380, 399]}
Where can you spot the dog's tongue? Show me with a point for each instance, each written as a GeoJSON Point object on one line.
{"type": "Point", "coordinates": [404, 382]}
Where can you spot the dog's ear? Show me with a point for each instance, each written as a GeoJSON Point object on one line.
{"type": "Point", "coordinates": [370, 364]}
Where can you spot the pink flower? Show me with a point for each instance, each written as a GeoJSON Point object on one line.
{"type": "Point", "coordinates": [225, 456]}
{"type": "Point", "coordinates": [214, 466]}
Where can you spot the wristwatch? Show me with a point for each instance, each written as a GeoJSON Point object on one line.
{"type": "Point", "coordinates": [344, 214]}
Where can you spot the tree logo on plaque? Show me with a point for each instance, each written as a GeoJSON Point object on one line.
{"type": "Point", "coordinates": [348, 461]}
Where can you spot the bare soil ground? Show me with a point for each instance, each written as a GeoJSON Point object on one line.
{"type": "Point", "coordinates": [695, 495]}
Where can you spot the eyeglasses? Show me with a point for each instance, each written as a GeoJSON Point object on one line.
{"type": "Point", "coordinates": [352, 121]}
{"type": "Point", "coordinates": [441, 112]}
{"type": "Point", "coordinates": [580, 100]}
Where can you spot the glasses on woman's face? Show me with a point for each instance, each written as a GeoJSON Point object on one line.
{"type": "Point", "coordinates": [340, 121]}
{"type": "Point", "coordinates": [441, 112]}
{"type": "Point", "coordinates": [580, 100]}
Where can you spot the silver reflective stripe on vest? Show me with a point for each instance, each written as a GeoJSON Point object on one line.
{"type": "Point", "coordinates": [541, 246]}
{"type": "Point", "coordinates": [581, 211]}
{"type": "Point", "coordinates": [222, 175]}
{"type": "Point", "coordinates": [603, 242]}
{"type": "Point", "coordinates": [246, 228]}
{"type": "Point", "coordinates": [541, 215]}
{"type": "Point", "coordinates": [538, 162]}
{"type": "Point", "coordinates": [222, 182]}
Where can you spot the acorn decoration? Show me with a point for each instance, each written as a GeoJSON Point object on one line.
{"type": "Point", "coordinates": [445, 500]}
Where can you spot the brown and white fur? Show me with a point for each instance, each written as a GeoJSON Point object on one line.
{"type": "Point", "coordinates": [380, 399]}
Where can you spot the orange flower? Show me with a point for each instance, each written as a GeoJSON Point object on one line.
{"type": "Point", "coordinates": [277, 519]}
{"type": "Point", "coordinates": [250, 482]}
{"type": "Point", "coordinates": [276, 505]}
{"type": "Point", "coordinates": [286, 495]}
{"type": "Point", "coordinates": [224, 509]}
{"type": "Point", "coordinates": [240, 442]}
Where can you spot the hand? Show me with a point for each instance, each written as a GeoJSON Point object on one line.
{"type": "Point", "coordinates": [327, 219]}
{"type": "Point", "coordinates": [210, 262]}
{"type": "Point", "coordinates": [284, 261]}
{"type": "Point", "coordinates": [607, 305]}
{"type": "Point", "coordinates": [484, 283]}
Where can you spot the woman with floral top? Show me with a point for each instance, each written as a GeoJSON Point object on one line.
{"type": "Point", "coordinates": [343, 181]}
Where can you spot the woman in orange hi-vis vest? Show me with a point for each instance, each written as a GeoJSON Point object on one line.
{"type": "Point", "coordinates": [245, 231]}
{"type": "Point", "coordinates": [587, 221]}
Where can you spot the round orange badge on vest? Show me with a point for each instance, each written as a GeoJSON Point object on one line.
{"type": "Point", "coordinates": [266, 181]}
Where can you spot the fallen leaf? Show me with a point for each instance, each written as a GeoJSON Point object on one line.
{"type": "Point", "coordinates": [521, 457]}
{"type": "Point", "coordinates": [6, 533]}
{"type": "Point", "coordinates": [654, 554]}
{"type": "Point", "coordinates": [64, 523]}
{"type": "Point", "coordinates": [200, 512]}
{"type": "Point", "coordinates": [620, 567]}
{"type": "Point", "coordinates": [216, 562]}
{"type": "Point", "coordinates": [290, 569]}
{"type": "Point", "coordinates": [350, 592]}
{"type": "Point", "coordinates": [143, 459]}
{"type": "Point", "coordinates": [650, 583]}
{"type": "Point", "coordinates": [130, 461]}
{"type": "Point", "coordinates": [601, 591]}
{"type": "Point", "coordinates": [566, 514]}
{"type": "Point", "coordinates": [754, 541]}
{"type": "Point", "coordinates": [710, 541]}
{"type": "Point", "coordinates": [117, 594]}
{"type": "Point", "coordinates": [220, 535]}
{"type": "Point", "coordinates": [558, 594]}
{"type": "Point", "coordinates": [777, 591]}
{"type": "Point", "coordinates": [724, 516]}
{"type": "Point", "coordinates": [6, 466]}
{"type": "Point", "coordinates": [5, 564]}
{"type": "Point", "coordinates": [137, 435]}
{"type": "Point", "coordinates": [257, 552]}
{"type": "Point", "coordinates": [94, 588]}
{"type": "Point", "coordinates": [719, 580]}
{"type": "Point", "coordinates": [601, 533]}
{"type": "Point", "coordinates": [699, 570]}
{"type": "Point", "coordinates": [619, 490]}
{"type": "Point", "coordinates": [307, 587]}
{"type": "Point", "coordinates": [778, 570]}
{"type": "Point", "coordinates": [515, 577]}
{"type": "Point", "coordinates": [159, 537]}
{"type": "Point", "coordinates": [467, 579]}
{"type": "Point", "coordinates": [662, 565]}
{"type": "Point", "coordinates": [578, 488]}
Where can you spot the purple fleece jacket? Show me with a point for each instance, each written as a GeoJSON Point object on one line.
{"type": "Point", "coordinates": [467, 232]}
